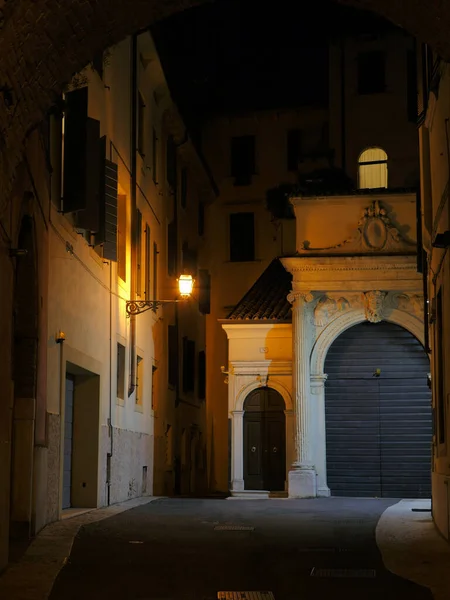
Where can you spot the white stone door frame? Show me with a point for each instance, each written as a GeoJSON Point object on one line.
{"type": "Point", "coordinates": [243, 378]}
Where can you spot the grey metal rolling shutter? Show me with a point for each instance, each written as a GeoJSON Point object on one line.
{"type": "Point", "coordinates": [378, 429]}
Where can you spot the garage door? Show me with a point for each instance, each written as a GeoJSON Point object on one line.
{"type": "Point", "coordinates": [378, 428]}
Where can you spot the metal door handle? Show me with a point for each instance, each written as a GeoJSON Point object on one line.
{"type": "Point", "coordinates": [253, 448]}
{"type": "Point", "coordinates": [275, 449]}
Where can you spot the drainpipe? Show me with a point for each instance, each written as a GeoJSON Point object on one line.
{"type": "Point", "coordinates": [343, 109]}
{"type": "Point", "coordinates": [133, 220]}
{"type": "Point", "coordinates": [110, 425]}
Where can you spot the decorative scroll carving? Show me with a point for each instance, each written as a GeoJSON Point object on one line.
{"type": "Point", "coordinates": [304, 296]}
{"type": "Point", "coordinates": [326, 308]}
{"type": "Point", "coordinates": [375, 233]}
{"type": "Point", "coordinates": [373, 306]}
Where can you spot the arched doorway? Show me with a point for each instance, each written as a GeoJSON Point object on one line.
{"type": "Point", "coordinates": [264, 440]}
{"type": "Point", "coordinates": [378, 414]}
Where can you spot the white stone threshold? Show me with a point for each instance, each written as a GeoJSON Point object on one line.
{"type": "Point", "coordinates": [257, 495]}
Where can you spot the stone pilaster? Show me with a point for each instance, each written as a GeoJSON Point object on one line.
{"type": "Point", "coordinates": [237, 451]}
{"type": "Point", "coordinates": [302, 475]}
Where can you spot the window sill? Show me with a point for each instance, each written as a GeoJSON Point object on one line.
{"type": "Point", "coordinates": [138, 408]}
{"type": "Point", "coordinates": [120, 401]}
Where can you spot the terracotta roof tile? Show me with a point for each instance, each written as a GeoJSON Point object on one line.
{"type": "Point", "coordinates": [266, 300]}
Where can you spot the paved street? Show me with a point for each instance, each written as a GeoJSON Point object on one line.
{"type": "Point", "coordinates": [182, 549]}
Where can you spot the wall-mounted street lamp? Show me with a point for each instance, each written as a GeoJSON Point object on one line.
{"type": "Point", "coordinates": [185, 287]}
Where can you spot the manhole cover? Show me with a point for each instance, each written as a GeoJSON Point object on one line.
{"type": "Point", "coordinates": [343, 573]}
{"type": "Point", "coordinates": [233, 528]}
{"type": "Point", "coordinates": [245, 596]}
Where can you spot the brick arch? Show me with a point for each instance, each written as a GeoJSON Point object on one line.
{"type": "Point", "coordinates": [44, 42]}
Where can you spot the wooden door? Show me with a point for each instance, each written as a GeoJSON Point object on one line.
{"type": "Point", "coordinates": [264, 441]}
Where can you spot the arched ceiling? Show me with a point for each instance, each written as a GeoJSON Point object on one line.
{"type": "Point", "coordinates": [44, 42]}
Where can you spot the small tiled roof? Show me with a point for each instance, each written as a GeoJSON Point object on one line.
{"type": "Point", "coordinates": [266, 300]}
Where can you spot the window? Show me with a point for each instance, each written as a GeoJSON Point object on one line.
{"type": "Point", "coordinates": [188, 365]}
{"type": "Point", "coordinates": [440, 368]}
{"type": "Point", "coordinates": [294, 147]}
{"type": "Point", "coordinates": [371, 72]}
{"type": "Point", "coordinates": [120, 371]}
{"type": "Point", "coordinates": [243, 159]}
{"type": "Point", "coordinates": [183, 186]}
{"type": "Point", "coordinates": [172, 249]}
{"type": "Point", "coordinates": [173, 355]}
{"type": "Point", "coordinates": [242, 237]}
{"type": "Point", "coordinates": [141, 125]}
{"type": "Point", "coordinates": [147, 283]}
{"type": "Point", "coordinates": [372, 169]}
{"type": "Point", "coordinates": [139, 380]}
{"type": "Point", "coordinates": [139, 252]}
{"type": "Point", "coordinates": [204, 292]}
{"type": "Point", "coordinates": [201, 219]}
{"type": "Point", "coordinates": [171, 163]}
{"type": "Point", "coordinates": [122, 237]}
{"type": "Point", "coordinates": [412, 96]}
{"type": "Point", "coordinates": [201, 392]}
{"type": "Point", "coordinates": [154, 157]}
{"type": "Point", "coordinates": [169, 447]}
{"type": "Point", "coordinates": [155, 271]}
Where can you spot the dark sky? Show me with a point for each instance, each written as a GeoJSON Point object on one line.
{"type": "Point", "coordinates": [230, 55]}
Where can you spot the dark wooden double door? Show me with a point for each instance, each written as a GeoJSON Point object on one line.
{"type": "Point", "coordinates": [378, 414]}
{"type": "Point", "coordinates": [264, 441]}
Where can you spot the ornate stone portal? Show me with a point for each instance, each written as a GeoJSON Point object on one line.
{"type": "Point", "coordinates": [370, 276]}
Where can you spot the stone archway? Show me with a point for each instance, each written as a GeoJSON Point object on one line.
{"type": "Point", "coordinates": [40, 52]}
{"type": "Point", "coordinates": [25, 359]}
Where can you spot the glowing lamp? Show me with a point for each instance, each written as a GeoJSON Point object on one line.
{"type": "Point", "coordinates": [185, 285]}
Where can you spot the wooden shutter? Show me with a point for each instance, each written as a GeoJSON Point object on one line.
{"type": "Point", "coordinates": [171, 163]}
{"type": "Point", "coordinates": [89, 217]}
{"type": "Point", "coordinates": [188, 365]}
{"type": "Point", "coordinates": [173, 355]}
{"type": "Point", "coordinates": [201, 393]}
{"type": "Point", "coordinates": [172, 248]}
{"type": "Point", "coordinates": [81, 150]}
{"type": "Point", "coordinates": [204, 292]}
{"type": "Point", "coordinates": [139, 252]}
{"type": "Point", "coordinates": [183, 187]}
{"type": "Point", "coordinates": [108, 205]}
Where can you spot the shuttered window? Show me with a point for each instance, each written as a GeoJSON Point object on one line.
{"type": "Point", "coordinates": [171, 163]}
{"type": "Point", "coordinates": [184, 187]}
{"type": "Point", "coordinates": [108, 205]}
{"type": "Point", "coordinates": [147, 259]}
{"type": "Point", "coordinates": [188, 365]}
{"type": "Point", "coordinates": [122, 237]}
{"type": "Point", "coordinates": [81, 155]}
{"type": "Point", "coordinates": [172, 355]}
{"type": "Point", "coordinates": [242, 237]}
{"type": "Point", "coordinates": [204, 291]}
{"type": "Point", "coordinates": [139, 252]}
{"type": "Point", "coordinates": [201, 393]}
{"type": "Point", "coordinates": [243, 159]}
{"type": "Point", "coordinates": [172, 249]}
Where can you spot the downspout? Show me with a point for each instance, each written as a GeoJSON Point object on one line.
{"type": "Point", "coordinates": [343, 111]}
{"type": "Point", "coordinates": [133, 219]}
{"type": "Point", "coordinates": [110, 425]}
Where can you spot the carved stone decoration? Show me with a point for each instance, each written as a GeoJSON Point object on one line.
{"type": "Point", "coordinates": [325, 309]}
{"type": "Point", "coordinates": [410, 303]}
{"type": "Point", "coordinates": [375, 233]}
{"type": "Point", "coordinates": [373, 305]}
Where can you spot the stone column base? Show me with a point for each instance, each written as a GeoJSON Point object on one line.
{"type": "Point", "coordinates": [302, 483]}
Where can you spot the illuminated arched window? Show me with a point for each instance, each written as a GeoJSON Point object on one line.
{"type": "Point", "coordinates": [372, 169]}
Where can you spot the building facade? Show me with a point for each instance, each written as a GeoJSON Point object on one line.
{"type": "Point", "coordinates": [353, 158]}
{"type": "Point", "coordinates": [101, 340]}
{"type": "Point", "coordinates": [434, 114]}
